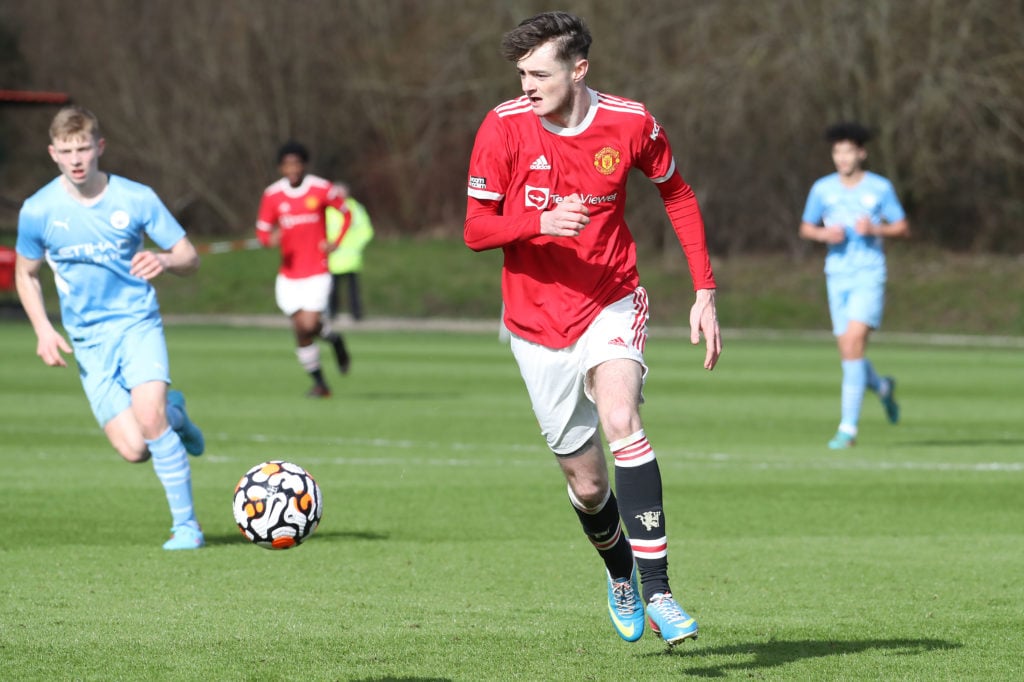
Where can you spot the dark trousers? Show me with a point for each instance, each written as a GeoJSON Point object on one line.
{"type": "Point", "coordinates": [355, 303]}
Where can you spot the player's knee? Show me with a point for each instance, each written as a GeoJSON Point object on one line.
{"type": "Point", "coordinates": [590, 492]}
{"type": "Point", "coordinates": [132, 451]}
{"type": "Point", "coordinates": [620, 422]}
{"type": "Point", "coordinates": [152, 423]}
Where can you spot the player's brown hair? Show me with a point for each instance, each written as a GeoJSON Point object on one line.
{"type": "Point", "coordinates": [569, 31]}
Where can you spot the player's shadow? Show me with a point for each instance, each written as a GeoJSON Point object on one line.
{"type": "Point", "coordinates": [319, 536]}
{"type": "Point", "coordinates": [349, 535]}
{"type": "Point", "coordinates": [762, 655]}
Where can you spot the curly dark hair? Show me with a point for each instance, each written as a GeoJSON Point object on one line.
{"type": "Point", "coordinates": [291, 147]}
{"type": "Point", "coordinates": [848, 131]}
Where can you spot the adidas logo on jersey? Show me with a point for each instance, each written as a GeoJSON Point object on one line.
{"type": "Point", "coordinates": [617, 341]}
{"type": "Point", "coordinates": [540, 164]}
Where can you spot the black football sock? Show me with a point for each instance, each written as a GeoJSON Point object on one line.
{"type": "Point", "coordinates": [602, 526]}
{"type": "Point", "coordinates": [638, 482]}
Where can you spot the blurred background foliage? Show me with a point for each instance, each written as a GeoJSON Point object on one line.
{"type": "Point", "coordinates": [196, 96]}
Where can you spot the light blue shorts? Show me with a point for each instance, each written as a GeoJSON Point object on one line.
{"type": "Point", "coordinates": [110, 369]}
{"type": "Point", "coordinates": [855, 298]}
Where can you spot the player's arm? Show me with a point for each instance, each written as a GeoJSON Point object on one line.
{"type": "Point", "coordinates": [811, 227]}
{"type": "Point", "coordinates": [336, 199]}
{"type": "Point", "coordinates": [182, 259]}
{"type": "Point", "coordinates": [829, 234]}
{"type": "Point", "coordinates": [49, 342]}
{"type": "Point", "coordinates": [267, 230]}
{"type": "Point", "coordinates": [269, 235]}
{"type": "Point", "coordinates": [684, 214]}
{"type": "Point", "coordinates": [490, 175]}
{"type": "Point", "coordinates": [899, 229]}
{"type": "Point", "coordinates": [486, 228]}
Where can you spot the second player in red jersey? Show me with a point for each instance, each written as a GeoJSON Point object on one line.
{"type": "Point", "coordinates": [299, 214]}
{"type": "Point", "coordinates": [292, 216]}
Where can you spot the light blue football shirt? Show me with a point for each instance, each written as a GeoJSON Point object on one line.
{"type": "Point", "coordinates": [90, 249]}
{"type": "Point", "coordinates": [832, 203]}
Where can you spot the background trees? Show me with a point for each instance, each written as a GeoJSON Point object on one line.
{"type": "Point", "coordinates": [195, 97]}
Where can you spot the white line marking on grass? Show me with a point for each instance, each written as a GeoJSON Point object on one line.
{"type": "Point", "coordinates": [539, 455]}
{"type": "Point", "coordinates": [721, 460]}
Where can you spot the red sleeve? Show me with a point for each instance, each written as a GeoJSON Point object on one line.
{"type": "Point", "coordinates": [658, 163]}
{"type": "Point", "coordinates": [346, 221]}
{"type": "Point", "coordinates": [490, 168]}
{"type": "Point", "coordinates": [486, 228]}
{"type": "Point", "coordinates": [684, 214]}
{"type": "Point", "coordinates": [266, 218]}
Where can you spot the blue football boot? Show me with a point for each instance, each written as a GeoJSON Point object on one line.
{"type": "Point", "coordinates": [191, 436]}
{"type": "Point", "coordinates": [625, 607]}
{"type": "Point", "coordinates": [185, 536]}
{"type": "Point", "coordinates": [669, 620]}
{"type": "Point", "coordinates": [887, 393]}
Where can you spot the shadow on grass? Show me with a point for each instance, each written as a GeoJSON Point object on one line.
{"type": "Point", "coordinates": [238, 538]}
{"type": "Point", "coordinates": [778, 653]}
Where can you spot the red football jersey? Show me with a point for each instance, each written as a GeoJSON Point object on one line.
{"type": "Point", "coordinates": [554, 287]}
{"type": "Point", "coordinates": [299, 212]}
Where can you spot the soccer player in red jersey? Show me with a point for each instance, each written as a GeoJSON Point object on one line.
{"type": "Point", "coordinates": [547, 185]}
{"type": "Point", "coordinates": [292, 217]}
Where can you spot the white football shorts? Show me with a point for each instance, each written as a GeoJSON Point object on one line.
{"type": "Point", "coordinates": [557, 379]}
{"type": "Point", "coordinates": [307, 293]}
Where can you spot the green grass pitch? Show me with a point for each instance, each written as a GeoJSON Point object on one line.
{"type": "Point", "coordinates": [448, 550]}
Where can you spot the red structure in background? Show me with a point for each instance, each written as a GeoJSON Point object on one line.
{"type": "Point", "coordinates": [7, 256]}
{"type": "Point", "coordinates": [33, 97]}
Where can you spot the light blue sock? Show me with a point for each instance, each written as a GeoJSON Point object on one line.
{"type": "Point", "coordinates": [170, 462]}
{"type": "Point", "coordinates": [854, 383]}
{"type": "Point", "coordinates": [874, 382]}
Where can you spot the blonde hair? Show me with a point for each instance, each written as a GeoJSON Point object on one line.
{"type": "Point", "coordinates": [74, 121]}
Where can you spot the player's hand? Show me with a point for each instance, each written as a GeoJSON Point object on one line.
{"type": "Point", "coordinates": [328, 247]}
{"type": "Point", "coordinates": [704, 320]}
{"type": "Point", "coordinates": [49, 349]}
{"type": "Point", "coordinates": [147, 264]}
{"type": "Point", "coordinates": [566, 219]}
{"type": "Point", "coordinates": [863, 226]}
{"type": "Point", "coordinates": [833, 234]}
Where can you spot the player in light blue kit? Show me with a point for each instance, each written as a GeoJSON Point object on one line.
{"type": "Point", "coordinates": [90, 226]}
{"type": "Point", "coordinates": [852, 210]}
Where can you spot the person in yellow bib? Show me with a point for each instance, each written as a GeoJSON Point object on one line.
{"type": "Point", "coordinates": [346, 262]}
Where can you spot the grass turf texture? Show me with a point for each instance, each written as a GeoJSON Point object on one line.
{"type": "Point", "coordinates": [448, 550]}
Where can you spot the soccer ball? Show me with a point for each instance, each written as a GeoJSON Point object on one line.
{"type": "Point", "coordinates": [277, 505]}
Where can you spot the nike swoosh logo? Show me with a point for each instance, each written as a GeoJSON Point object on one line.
{"type": "Point", "coordinates": [619, 625]}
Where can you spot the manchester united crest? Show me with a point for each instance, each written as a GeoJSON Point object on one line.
{"type": "Point", "coordinates": [606, 160]}
{"type": "Point", "coordinates": [312, 203]}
